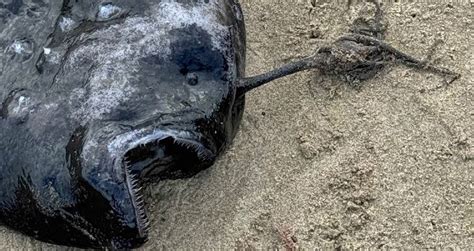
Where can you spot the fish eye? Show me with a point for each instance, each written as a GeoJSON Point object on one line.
{"type": "Point", "coordinates": [192, 78]}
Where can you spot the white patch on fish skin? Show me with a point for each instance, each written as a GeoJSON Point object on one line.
{"type": "Point", "coordinates": [108, 11]}
{"type": "Point", "coordinates": [47, 51]}
{"type": "Point", "coordinates": [18, 47]}
{"type": "Point", "coordinates": [78, 94]}
{"type": "Point", "coordinates": [176, 15]}
{"type": "Point", "coordinates": [22, 47]}
{"type": "Point", "coordinates": [51, 106]}
{"type": "Point", "coordinates": [23, 105]}
{"type": "Point", "coordinates": [106, 92]}
{"type": "Point", "coordinates": [52, 56]}
{"type": "Point", "coordinates": [67, 24]}
{"type": "Point", "coordinates": [22, 100]}
{"type": "Point", "coordinates": [116, 51]}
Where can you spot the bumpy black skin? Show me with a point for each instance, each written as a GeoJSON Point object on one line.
{"type": "Point", "coordinates": [68, 96]}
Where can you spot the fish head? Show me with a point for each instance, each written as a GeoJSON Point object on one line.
{"type": "Point", "coordinates": [177, 93]}
{"type": "Point", "coordinates": [144, 96]}
{"type": "Point", "coordinates": [176, 113]}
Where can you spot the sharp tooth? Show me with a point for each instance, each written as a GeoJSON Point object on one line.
{"type": "Point", "coordinates": [138, 189]}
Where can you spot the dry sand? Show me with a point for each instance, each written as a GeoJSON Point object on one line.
{"type": "Point", "coordinates": [322, 164]}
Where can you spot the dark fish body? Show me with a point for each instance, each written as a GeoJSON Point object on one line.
{"type": "Point", "coordinates": [98, 97]}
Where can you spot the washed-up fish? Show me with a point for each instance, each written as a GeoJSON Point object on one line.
{"type": "Point", "coordinates": [99, 98]}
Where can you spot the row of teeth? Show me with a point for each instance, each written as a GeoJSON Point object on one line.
{"type": "Point", "coordinates": [200, 151]}
{"type": "Point", "coordinates": [136, 188]}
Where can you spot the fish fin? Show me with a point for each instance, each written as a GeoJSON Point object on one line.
{"type": "Point", "coordinates": [356, 56]}
{"type": "Point", "coordinates": [250, 83]}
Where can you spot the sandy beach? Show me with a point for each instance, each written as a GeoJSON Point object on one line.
{"type": "Point", "coordinates": [322, 164]}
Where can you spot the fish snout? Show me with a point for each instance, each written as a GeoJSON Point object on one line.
{"type": "Point", "coordinates": [111, 170]}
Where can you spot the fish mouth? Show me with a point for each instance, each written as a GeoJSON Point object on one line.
{"type": "Point", "coordinates": [161, 155]}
